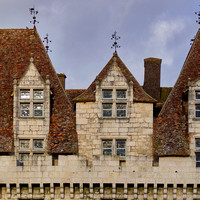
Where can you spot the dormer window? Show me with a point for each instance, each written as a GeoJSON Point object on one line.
{"type": "Point", "coordinates": [114, 103]}
{"type": "Point", "coordinates": [31, 102]}
{"type": "Point", "coordinates": [107, 94]}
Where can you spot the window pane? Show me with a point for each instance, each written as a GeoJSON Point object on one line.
{"type": "Point", "coordinates": [197, 156]}
{"type": "Point", "coordinates": [107, 94]}
{"type": "Point", "coordinates": [121, 110]}
{"type": "Point", "coordinates": [24, 144]}
{"type": "Point", "coordinates": [107, 147]}
{"type": "Point", "coordinates": [107, 110]}
{"type": "Point", "coordinates": [107, 143]}
{"type": "Point", "coordinates": [121, 152]}
{"type": "Point", "coordinates": [38, 144]}
{"type": "Point", "coordinates": [38, 94]}
{"type": "Point", "coordinates": [23, 156]}
{"type": "Point", "coordinates": [121, 94]}
{"type": "Point", "coordinates": [121, 144]}
{"type": "Point", "coordinates": [197, 112]}
{"type": "Point", "coordinates": [24, 94]}
{"type": "Point", "coordinates": [197, 95]}
{"type": "Point", "coordinates": [197, 143]}
{"type": "Point", "coordinates": [121, 148]}
{"type": "Point", "coordinates": [25, 110]}
{"type": "Point", "coordinates": [38, 110]}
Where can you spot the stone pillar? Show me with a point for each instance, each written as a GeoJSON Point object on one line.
{"type": "Point", "coordinates": [18, 190]}
{"type": "Point", "coordinates": [113, 190]}
{"type": "Point", "coordinates": [91, 191]}
{"type": "Point", "coordinates": [62, 193]}
{"type": "Point", "coordinates": [71, 191]}
{"type": "Point", "coordinates": [52, 191]}
{"type": "Point", "coordinates": [145, 192]}
{"type": "Point", "coordinates": [8, 191]}
{"type": "Point", "coordinates": [184, 191]}
{"type": "Point", "coordinates": [30, 191]}
{"type": "Point", "coordinates": [135, 192]}
{"type": "Point", "coordinates": [81, 191]}
{"type": "Point", "coordinates": [175, 192]}
{"type": "Point", "coordinates": [195, 191]}
{"type": "Point", "coordinates": [165, 192]}
{"type": "Point", "coordinates": [101, 190]}
{"type": "Point", "coordinates": [125, 191]}
{"type": "Point", "coordinates": [155, 192]}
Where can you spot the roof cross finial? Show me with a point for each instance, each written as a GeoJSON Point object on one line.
{"type": "Point", "coordinates": [115, 38]}
{"type": "Point", "coordinates": [34, 13]}
{"type": "Point", "coordinates": [47, 43]}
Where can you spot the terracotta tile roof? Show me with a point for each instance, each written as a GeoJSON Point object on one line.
{"type": "Point", "coordinates": [16, 45]}
{"type": "Point", "coordinates": [171, 129]}
{"type": "Point", "coordinates": [73, 93]}
{"type": "Point", "coordinates": [139, 94]}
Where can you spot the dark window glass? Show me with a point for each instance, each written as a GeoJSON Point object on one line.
{"type": "Point", "coordinates": [38, 110]}
{"type": "Point", "coordinates": [121, 148]}
{"type": "Point", "coordinates": [197, 143]}
{"type": "Point", "coordinates": [107, 110]}
{"type": "Point", "coordinates": [121, 94]}
{"type": "Point", "coordinates": [107, 147]}
{"type": "Point", "coordinates": [107, 94]}
{"type": "Point", "coordinates": [24, 110]}
{"type": "Point", "coordinates": [197, 110]}
{"type": "Point", "coordinates": [197, 95]}
{"type": "Point", "coordinates": [24, 94]}
{"type": "Point", "coordinates": [197, 159]}
{"type": "Point", "coordinates": [38, 94]}
{"type": "Point", "coordinates": [121, 110]}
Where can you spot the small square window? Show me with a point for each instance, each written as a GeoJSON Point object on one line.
{"type": "Point", "coordinates": [24, 94]}
{"type": "Point", "coordinates": [121, 94]}
{"type": "Point", "coordinates": [38, 144]}
{"type": "Point", "coordinates": [38, 109]}
{"type": "Point", "coordinates": [23, 157]}
{"type": "Point", "coordinates": [107, 94]}
{"type": "Point", "coordinates": [24, 144]}
{"type": "Point", "coordinates": [121, 110]}
{"type": "Point", "coordinates": [197, 110]}
{"type": "Point", "coordinates": [197, 95]}
{"type": "Point", "coordinates": [107, 110]}
{"type": "Point", "coordinates": [197, 159]}
{"type": "Point", "coordinates": [107, 147]}
{"type": "Point", "coordinates": [25, 110]}
{"type": "Point", "coordinates": [38, 94]}
{"type": "Point", "coordinates": [197, 143]}
{"type": "Point", "coordinates": [121, 148]}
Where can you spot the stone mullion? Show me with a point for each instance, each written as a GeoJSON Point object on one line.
{"type": "Point", "coordinates": [113, 190]}
{"type": "Point", "coordinates": [8, 191]}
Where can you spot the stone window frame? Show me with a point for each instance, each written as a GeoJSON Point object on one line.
{"type": "Point", "coordinates": [114, 146]}
{"type": "Point", "coordinates": [31, 151]}
{"type": "Point", "coordinates": [31, 102]}
{"type": "Point", "coordinates": [114, 101]}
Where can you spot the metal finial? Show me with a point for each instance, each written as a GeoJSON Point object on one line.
{"type": "Point", "coordinates": [47, 43]}
{"type": "Point", "coordinates": [192, 40]}
{"type": "Point", "coordinates": [115, 38]}
{"type": "Point", "coordinates": [198, 19]}
{"type": "Point", "coordinates": [34, 13]}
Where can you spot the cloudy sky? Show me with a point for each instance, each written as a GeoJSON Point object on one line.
{"type": "Point", "coordinates": [80, 31]}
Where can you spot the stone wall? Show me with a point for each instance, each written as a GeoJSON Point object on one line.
{"type": "Point", "coordinates": [175, 178]}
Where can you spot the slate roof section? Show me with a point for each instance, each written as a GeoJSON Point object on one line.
{"type": "Point", "coordinates": [16, 45]}
{"type": "Point", "coordinates": [171, 128]}
{"type": "Point", "coordinates": [139, 95]}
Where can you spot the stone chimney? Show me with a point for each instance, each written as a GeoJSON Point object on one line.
{"type": "Point", "coordinates": [62, 78]}
{"type": "Point", "coordinates": [152, 67]}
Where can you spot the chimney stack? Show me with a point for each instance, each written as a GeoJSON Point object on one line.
{"type": "Point", "coordinates": [152, 67]}
{"type": "Point", "coordinates": [62, 78]}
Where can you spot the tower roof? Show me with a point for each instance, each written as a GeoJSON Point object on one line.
{"type": "Point", "coordinates": [171, 129]}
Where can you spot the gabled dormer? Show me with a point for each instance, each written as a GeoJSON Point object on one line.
{"type": "Point", "coordinates": [31, 113]}
{"type": "Point", "coordinates": [114, 116]}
